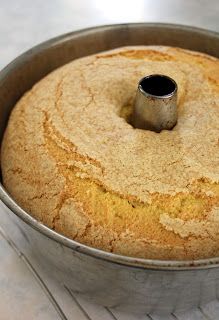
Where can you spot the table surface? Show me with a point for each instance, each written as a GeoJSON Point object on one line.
{"type": "Point", "coordinates": [25, 291]}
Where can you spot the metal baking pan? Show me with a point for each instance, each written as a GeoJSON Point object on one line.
{"type": "Point", "coordinates": [125, 283]}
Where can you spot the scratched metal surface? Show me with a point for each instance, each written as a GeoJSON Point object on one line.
{"type": "Point", "coordinates": [26, 291]}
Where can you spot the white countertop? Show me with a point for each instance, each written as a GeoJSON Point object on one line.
{"type": "Point", "coordinates": [25, 23]}
{"type": "Point", "coordinates": [25, 291]}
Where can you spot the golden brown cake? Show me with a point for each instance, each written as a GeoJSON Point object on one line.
{"type": "Point", "coordinates": [72, 160]}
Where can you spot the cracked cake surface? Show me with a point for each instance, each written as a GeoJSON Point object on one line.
{"type": "Point", "coordinates": [71, 159]}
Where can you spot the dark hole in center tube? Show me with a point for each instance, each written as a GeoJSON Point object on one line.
{"type": "Point", "coordinates": [157, 85]}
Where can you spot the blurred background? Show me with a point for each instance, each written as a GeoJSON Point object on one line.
{"type": "Point", "coordinates": [25, 23]}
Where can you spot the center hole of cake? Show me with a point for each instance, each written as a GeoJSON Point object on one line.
{"type": "Point", "coordinates": [157, 85]}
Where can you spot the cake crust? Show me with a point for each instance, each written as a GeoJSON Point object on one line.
{"type": "Point", "coordinates": [71, 159]}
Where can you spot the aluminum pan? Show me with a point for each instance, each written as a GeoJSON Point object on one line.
{"type": "Point", "coordinates": [96, 39]}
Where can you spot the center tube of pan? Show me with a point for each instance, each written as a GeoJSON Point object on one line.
{"type": "Point", "coordinates": [155, 105]}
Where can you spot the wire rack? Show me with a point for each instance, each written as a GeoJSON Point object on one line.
{"type": "Point", "coordinates": [27, 292]}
